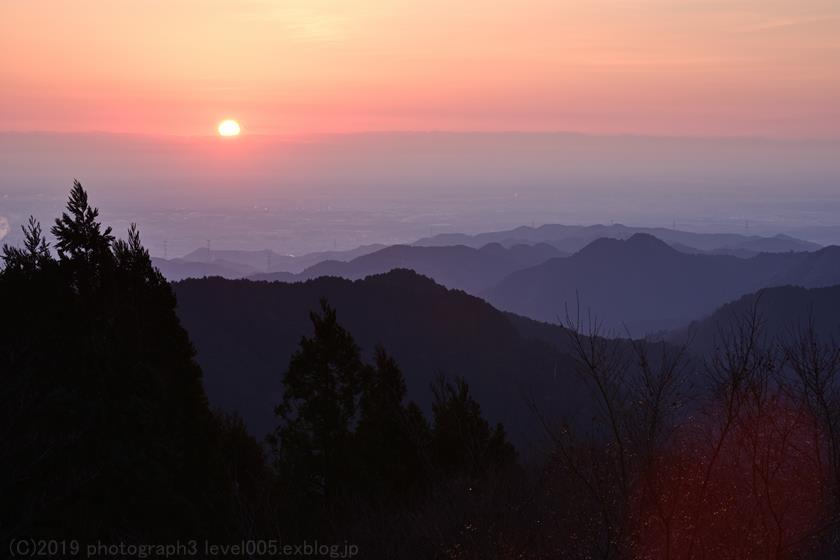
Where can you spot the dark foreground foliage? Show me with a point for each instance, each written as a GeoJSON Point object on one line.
{"type": "Point", "coordinates": [106, 429]}
{"type": "Point", "coordinates": [348, 440]}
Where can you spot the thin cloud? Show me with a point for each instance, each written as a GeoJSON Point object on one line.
{"type": "Point", "coordinates": [301, 21]}
{"type": "Point", "coordinates": [669, 62]}
{"type": "Point", "coordinates": [785, 23]}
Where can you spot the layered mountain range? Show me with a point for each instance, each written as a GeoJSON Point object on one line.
{"type": "Point", "coordinates": [636, 280]}
{"type": "Point", "coordinates": [643, 285]}
{"type": "Point", "coordinates": [561, 239]}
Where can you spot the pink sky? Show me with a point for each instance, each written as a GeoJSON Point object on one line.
{"type": "Point", "coordinates": [677, 67]}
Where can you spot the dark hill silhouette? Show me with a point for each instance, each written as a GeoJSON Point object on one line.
{"type": "Point", "coordinates": [458, 266]}
{"type": "Point", "coordinates": [573, 238]}
{"type": "Point", "coordinates": [817, 269]}
{"type": "Point", "coordinates": [524, 254]}
{"type": "Point", "coordinates": [244, 333]}
{"type": "Point", "coordinates": [783, 312]}
{"type": "Point", "coordinates": [648, 286]}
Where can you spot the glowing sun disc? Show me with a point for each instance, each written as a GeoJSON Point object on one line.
{"type": "Point", "coordinates": [229, 127]}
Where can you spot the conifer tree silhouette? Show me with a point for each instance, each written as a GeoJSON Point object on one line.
{"type": "Point", "coordinates": [318, 410]}
{"type": "Point", "coordinates": [79, 234]}
{"type": "Point", "coordinates": [462, 440]}
{"type": "Point", "coordinates": [392, 436]}
{"type": "Point", "coordinates": [105, 424]}
{"type": "Point", "coordinates": [35, 253]}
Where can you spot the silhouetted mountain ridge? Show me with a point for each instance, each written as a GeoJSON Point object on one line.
{"type": "Point", "coordinates": [817, 269]}
{"type": "Point", "coordinates": [457, 266]}
{"type": "Point", "coordinates": [573, 238]}
{"type": "Point", "coordinates": [783, 312]}
{"type": "Point", "coordinates": [646, 285]}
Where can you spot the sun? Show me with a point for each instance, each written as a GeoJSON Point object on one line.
{"type": "Point", "coordinates": [229, 127]}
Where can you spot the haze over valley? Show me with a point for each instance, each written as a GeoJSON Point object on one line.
{"type": "Point", "coordinates": [295, 196]}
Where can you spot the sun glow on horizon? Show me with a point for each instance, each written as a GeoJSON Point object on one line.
{"type": "Point", "coordinates": [229, 127]}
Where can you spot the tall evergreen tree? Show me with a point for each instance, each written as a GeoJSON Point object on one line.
{"type": "Point", "coordinates": [392, 436]}
{"type": "Point", "coordinates": [79, 234]}
{"type": "Point", "coordinates": [462, 441]}
{"type": "Point", "coordinates": [318, 410]}
{"type": "Point", "coordinates": [106, 430]}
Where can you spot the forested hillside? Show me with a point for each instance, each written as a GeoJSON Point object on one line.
{"type": "Point", "coordinates": [245, 331]}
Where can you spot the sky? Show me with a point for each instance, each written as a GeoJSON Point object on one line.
{"type": "Point", "coordinates": [766, 68]}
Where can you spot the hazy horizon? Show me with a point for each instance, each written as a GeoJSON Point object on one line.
{"type": "Point", "coordinates": [344, 190]}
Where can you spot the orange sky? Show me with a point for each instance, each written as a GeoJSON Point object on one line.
{"type": "Point", "coordinates": [684, 67]}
